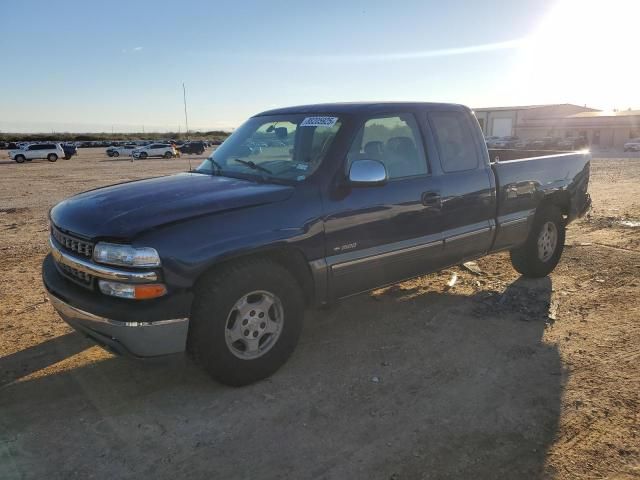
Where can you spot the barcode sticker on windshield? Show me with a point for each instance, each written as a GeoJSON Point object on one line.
{"type": "Point", "coordinates": [319, 122]}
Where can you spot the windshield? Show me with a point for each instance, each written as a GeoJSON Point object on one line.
{"type": "Point", "coordinates": [275, 147]}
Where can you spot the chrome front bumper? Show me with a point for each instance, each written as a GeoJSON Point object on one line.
{"type": "Point", "coordinates": [139, 339]}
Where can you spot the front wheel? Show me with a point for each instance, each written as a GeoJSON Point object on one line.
{"type": "Point", "coordinates": [19, 158]}
{"type": "Point", "coordinates": [168, 155]}
{"type": "Point", "coordinates": [116, 154]}
{"type": "Point", "coordinates": [52, 157]}
{"type": "Point", "coordinates": [143, 155]}
{"type": "Point", "coordinates": [245, 321]}
{"type": "Point", "coordinates": [542, 250]}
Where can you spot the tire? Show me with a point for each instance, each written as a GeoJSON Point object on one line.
{"type": "Point", "coordinates": [19, 158]}
{"type": "Point", "coordinates": [52, 157]}
{"type": "Point", "coordinates": [143, 155]}
{"type": "Point", "coordinates": [542, 250]}
{"type": "Point", "coordinates": [168, 155]}
{"type": "Point", "coordinates": [215, 315]}
{"type": "Point", "coordinates": [116, 154]}
{"type": "Point", "coordinates": [200, 152]}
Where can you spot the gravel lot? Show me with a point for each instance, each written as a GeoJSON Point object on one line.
{"type": "Point", "coordinates": [497, 377]}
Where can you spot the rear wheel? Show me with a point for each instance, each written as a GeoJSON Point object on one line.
{"type": "Point", "coordinates": [52, 157]}
{"type": "Point", "coordinates": [19, 158]}
{"type": "Point", "coordinates": [245, 321]}
{"type": "Point", "coordinates": [541, 252]}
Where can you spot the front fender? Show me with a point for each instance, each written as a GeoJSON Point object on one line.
{"type": "Point", "coordinates": [191, 247]}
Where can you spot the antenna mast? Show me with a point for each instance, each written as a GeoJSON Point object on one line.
{"type": "Point", "coordinates": [186, 119]}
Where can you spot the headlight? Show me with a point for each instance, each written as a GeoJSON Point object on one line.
{"type": "Point", "coordinates": [125, 255]}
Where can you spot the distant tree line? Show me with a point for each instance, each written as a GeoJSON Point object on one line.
{"type": "Point", "coordinates": [88, 137]}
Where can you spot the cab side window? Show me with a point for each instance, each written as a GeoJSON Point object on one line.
{"type": "Point", "coordinates": [394, 141]}
{"type": "Point", "coordinates": [454, 140]}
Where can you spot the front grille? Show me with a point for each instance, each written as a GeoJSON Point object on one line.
{"type": "Point", "coordinates": [76, 246]}
{"type": "Point", "coordinates": [72, 243]}
{"type": "Point", "coordinates": [77, 276]}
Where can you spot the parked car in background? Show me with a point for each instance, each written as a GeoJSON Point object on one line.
{"type": "Point", "coordinates": [192, 147]}
{"type": "Point", "coordinates": [632, 145]}
{"type": "Point", "coordinates": [544, 143]}
{"type": "Point", "coordinates": [523, 143]}
{"type": "Point", "coordinates": [155, 150]}
{"type": "Point", "coordinates": [572, 143]}
{"type": "Point", "coordinates": [50, 151]}
{"type": "Point", "coordinates": [506, 142]}
{"type": "Point", "coordinates": [69, 150]}
{"type": "Point", "coordinates": [490, 141]}
{"type": "Point", "coordinates": [124, 151]}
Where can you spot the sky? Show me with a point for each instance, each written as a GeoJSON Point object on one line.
{"type": "Point", "coordinates": [84, 66]}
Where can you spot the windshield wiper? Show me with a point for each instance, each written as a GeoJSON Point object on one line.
{"type": "Point", "coordinates": [216, 165]}
{"type": "Point", "coordinates": [253, 165]}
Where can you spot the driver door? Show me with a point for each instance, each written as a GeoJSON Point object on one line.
{"type": "Point", "coordinates": [377, 235]}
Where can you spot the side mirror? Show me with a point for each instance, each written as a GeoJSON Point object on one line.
{"type": "Point", "coordinates": [367, 173]}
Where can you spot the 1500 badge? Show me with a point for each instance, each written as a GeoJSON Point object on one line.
{"type": "Point", "coordinates": [348, 246]}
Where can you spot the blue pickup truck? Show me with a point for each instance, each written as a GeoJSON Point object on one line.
{"type": "Point", "coordinates": [299, 208]}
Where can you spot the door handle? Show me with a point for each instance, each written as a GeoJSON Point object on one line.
{"type": "Point", "coordinates": [431, 199]}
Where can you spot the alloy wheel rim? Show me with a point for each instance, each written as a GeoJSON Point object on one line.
{"type": "Point", "coordinates": [547, 241]}
{"type": "Point", "coordinates": [254, 324]}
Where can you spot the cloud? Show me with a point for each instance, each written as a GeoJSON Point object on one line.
{"type": "Point", "coordinates": [415, 55]}
{"type": "Point", "coordinates": [134, 49]}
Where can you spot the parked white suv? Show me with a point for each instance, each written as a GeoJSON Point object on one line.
{"type": "Point", "coordinates": [155, 150]}
{"type": "Point", "coordinates": [50, 151]}
{"type": "Point", "coordinates": [632, 145]}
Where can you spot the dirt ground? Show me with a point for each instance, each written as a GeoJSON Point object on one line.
{"type": "Point", "coordinates": [497, 377]}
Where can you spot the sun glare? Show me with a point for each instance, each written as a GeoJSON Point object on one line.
{"type": "Point", "coordinates": [584, 51]}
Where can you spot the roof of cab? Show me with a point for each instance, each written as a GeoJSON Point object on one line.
{"type": "Point", "coordinates": [356, 107]}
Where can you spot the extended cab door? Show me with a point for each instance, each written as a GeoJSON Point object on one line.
{"type": "Point", "coordinates": [376, 235]}
{"type": "Point", "coordinates": [467, 184]}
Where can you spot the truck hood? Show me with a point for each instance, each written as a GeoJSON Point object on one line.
{"type": "Point", "coordinates": [125, 210]}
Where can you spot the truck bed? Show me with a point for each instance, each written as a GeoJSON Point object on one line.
{"type": "Point", "coordinates": [523, 183]}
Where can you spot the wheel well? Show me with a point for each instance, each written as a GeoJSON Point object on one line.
{"type": "Point", "coordinates": [562, 200]}
{"type": "Point", "coordinates": [290, 258]}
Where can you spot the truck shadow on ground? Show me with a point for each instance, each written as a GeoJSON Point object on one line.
{"type": "Point", "coordinates": [43, 355]}
{"type": "Point", "coordinates": [407, 383]}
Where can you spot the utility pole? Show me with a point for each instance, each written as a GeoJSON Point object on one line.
{"type": "Point", "coordinates": [186, 119]}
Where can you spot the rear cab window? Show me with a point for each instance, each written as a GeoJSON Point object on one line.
{"type": "Point", "coordinates": [454, 141]}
